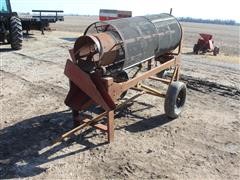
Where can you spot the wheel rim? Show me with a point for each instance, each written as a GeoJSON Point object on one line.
{"type": "Point", "coordinates": [180, 99]}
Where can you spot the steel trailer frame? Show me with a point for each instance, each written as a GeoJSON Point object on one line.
{"type": "Point", "coordinates": [114, 90]}
{"type": "Point", "coordinates": [41, 22]}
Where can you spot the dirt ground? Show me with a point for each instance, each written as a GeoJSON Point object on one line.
{"type": "Point", "coordinates": [203, 143]}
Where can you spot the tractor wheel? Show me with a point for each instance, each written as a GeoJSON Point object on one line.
{"type": "Point", "coordinates": [121, 76]}
{"type": "Point", "coordinates": [175, 99]}
{"type": "Point", "coordinates": [16, 34]}
{"type": "Point", "coordinates": [215, 51]}
{"type": "Point", "coordinates": [195, 49]}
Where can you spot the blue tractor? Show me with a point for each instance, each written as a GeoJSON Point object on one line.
{"type": "Point", "coordinates": [10, 26]}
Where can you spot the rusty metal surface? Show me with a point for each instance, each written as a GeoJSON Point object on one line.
{"type": "Point", "coordinates": [143, 37]}
{"type": "Point", "coordinates": [108, 48]}
{"type": "Point", "coordinates": [99, 47]}
{"type": "Point", "coordinates": [86, 86]}
{"type": "Point", "coordinates": [114, 90]}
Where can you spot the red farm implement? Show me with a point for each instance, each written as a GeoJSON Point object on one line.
{"type": "Point", "coordinates": [109, 14]}
{"type": "Point", "coordinates": [205, 44]}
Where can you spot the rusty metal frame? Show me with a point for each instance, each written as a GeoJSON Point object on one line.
{"type": "Point", "coordinates": [114, 90]}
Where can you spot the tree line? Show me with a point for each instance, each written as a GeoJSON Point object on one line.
{"type": "Point", "coordinates": [209, 21]}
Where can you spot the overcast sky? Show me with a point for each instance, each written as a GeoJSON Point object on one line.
{"type": "Point", "coordinates": [206, 9]}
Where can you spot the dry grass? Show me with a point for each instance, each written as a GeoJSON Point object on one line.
{"type": "Point", "coordinates": [226, 37]}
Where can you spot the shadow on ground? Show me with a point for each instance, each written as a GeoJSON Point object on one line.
{"type": "Point", "coordinates": [200, 53]}
{"type": "Point", "coordinates": [28, 36]}
{"type": "Point", "coordinates": [142, 123]}
{"type": "Point", "coordinates": [69, 39]}
{"type": "Point", "coordinates": [5, 48]}
{"type": "Point", "coordinates": [147, 123]}
{"type": "Point", "coordinates": [22, 143]}
{"type": "Point", "coordinates": [188, 53]}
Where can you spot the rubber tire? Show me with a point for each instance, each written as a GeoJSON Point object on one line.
{"type": "Point", "coordinates": [16, 34]}
{"type": "Point", "coordinates": [215, 51]}
{"type": "Point", "coordinates": [195, 49]}
{"type": "Point", "coordinates": [172, 105]}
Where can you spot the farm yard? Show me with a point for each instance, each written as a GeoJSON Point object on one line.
{"type": "Point", "coordinates": [203, 143]}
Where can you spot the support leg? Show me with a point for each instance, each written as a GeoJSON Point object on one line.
{"type": "Point", "coordinates": [173, 78]}
{"type": "Point", "coordinates": [178, 73]}
{"type": "Point", "coordinates": [150, 64]}
{"type": "Point", "coordinates": [110, 124]}
{"type": "Point", "coordinates": [42, 29]}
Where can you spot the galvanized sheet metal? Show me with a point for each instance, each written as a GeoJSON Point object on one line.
{"type": "Point", "coordinates": [143, 37]}
{"type": "Point", "coordinates": [139, 37]}
{"type": "Point", "coordinates": [169, 32]}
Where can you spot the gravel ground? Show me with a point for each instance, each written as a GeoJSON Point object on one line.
{"type": "Point", "coordinates": [203, 143]}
